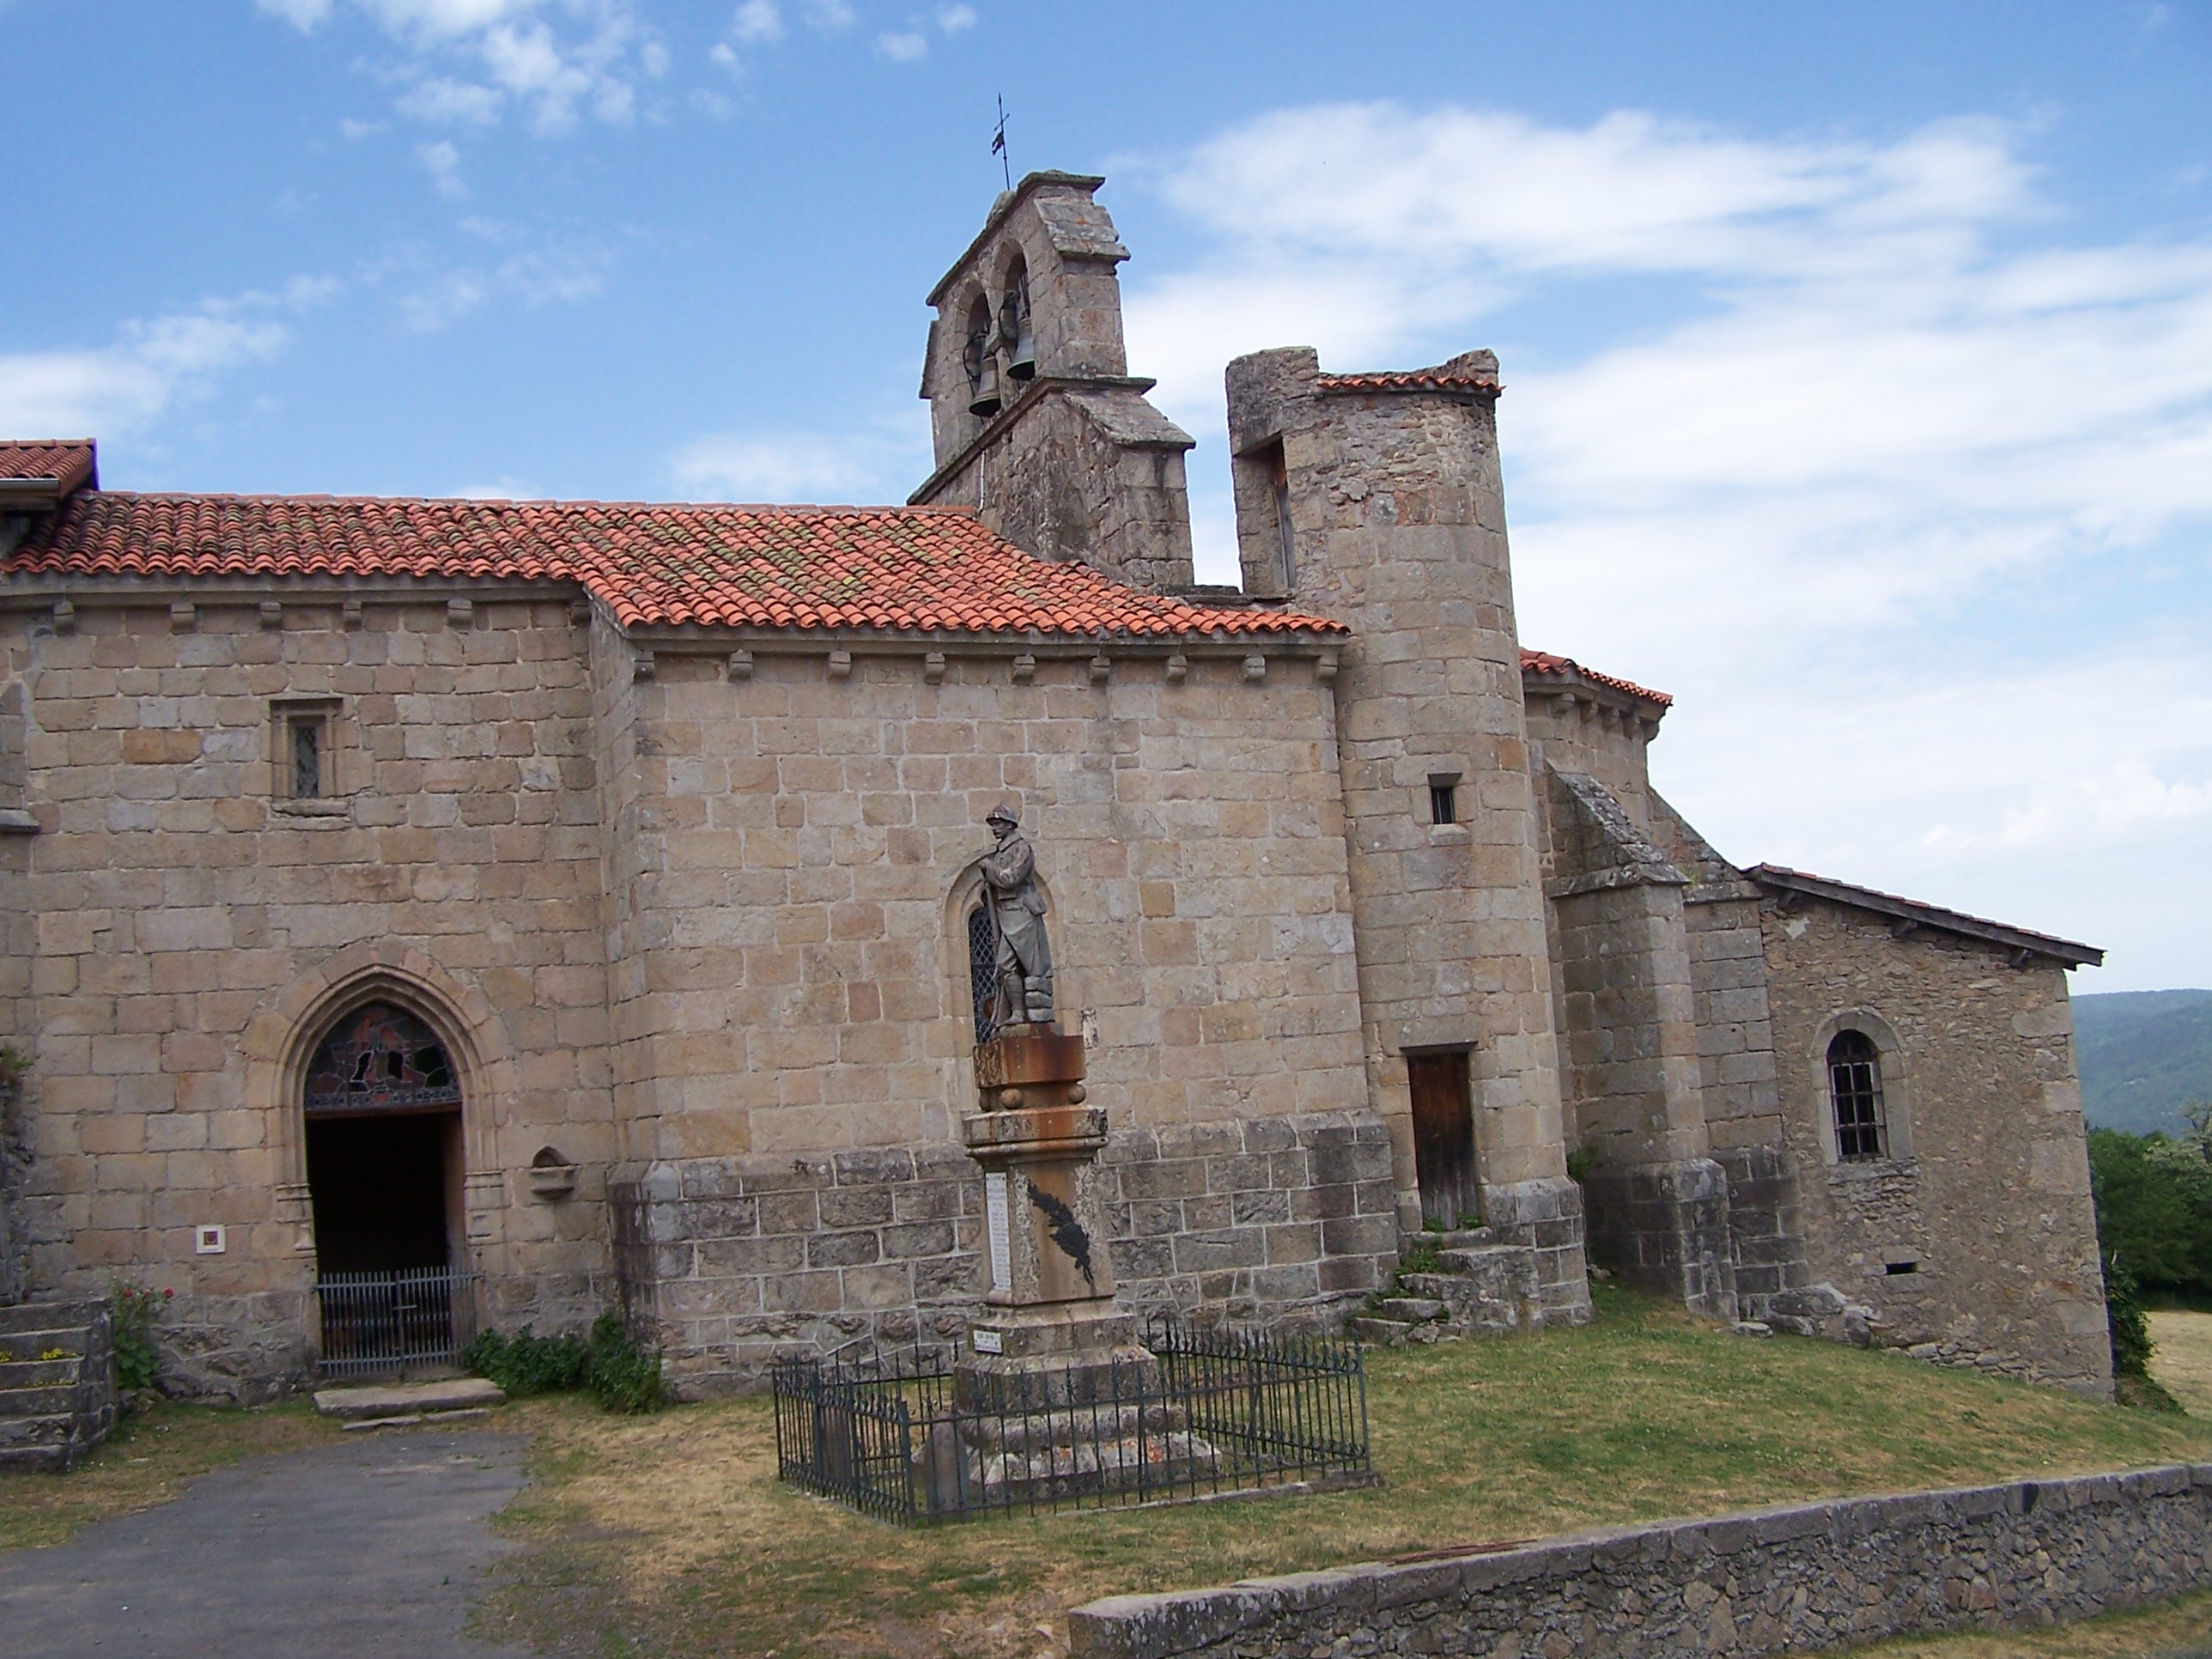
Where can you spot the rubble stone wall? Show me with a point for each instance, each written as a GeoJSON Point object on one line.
{"type": "Point", "coordinates": [1791, 1580]}
{"type": "Point", "coordinates": [1975, 1241]}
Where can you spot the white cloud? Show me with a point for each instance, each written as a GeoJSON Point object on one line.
{"type": "Point", "coordinates": [1851, 445]}
{"type": "Point", "coordinates": [440, 102]}
{"type": "Point", "coordinates": [798, 466]}
{"type": "Point", "coordinates": [828, 16]}
{"type": "Point", "coordinates": [109, 391]}
{"type": "Point", "coordinates": [357, 130]}
{"type": "Point", "coordinates": [302, 14]}
{"type": "Point", "coordinates": [903, 47]}
{"type": "Point", "coordinates": [555, 62]}
{"type": "Point", "coordinates": [443, 163]}
{"type": "Point", "coordinates": [955, 19]}
{"type": "Point", "coordinates": [431, 295]}
{"type": "Point", "coordinates": [757, 22]}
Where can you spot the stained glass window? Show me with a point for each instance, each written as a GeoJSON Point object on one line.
{"type": "Point", "coordinates": [380, 1058]}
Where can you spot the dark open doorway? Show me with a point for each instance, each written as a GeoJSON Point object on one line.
{"type": "Point", "coordinates": [1443, 1138]}
{"type": "Point", "coordinates": [386, 1160]}
{"type": "Point", "coordinates": [380, 1189]}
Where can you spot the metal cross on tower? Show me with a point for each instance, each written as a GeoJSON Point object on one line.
{"type": "Point", "coordinates": [999, 145]}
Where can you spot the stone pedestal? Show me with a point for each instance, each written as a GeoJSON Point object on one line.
{"type": "Point", "coordinates": [1057, 1397]}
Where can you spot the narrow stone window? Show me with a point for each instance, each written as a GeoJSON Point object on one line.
{"type": "Point", "coordinates": [1279, 477]}
{"type": "Point", "coordinates": [306, 756]}
{"type": "Point", "coordinates": [982, 970]}
{"type": "Point", "coordinates": [303, 750]}
{"type": "Point", "coordinates": [1855, 1090]}
{"type": "Point", "coordinates": [1444, 797]}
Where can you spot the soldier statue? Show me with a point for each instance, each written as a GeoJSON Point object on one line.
{"type": "Point", "coordinates": [1022, 967]}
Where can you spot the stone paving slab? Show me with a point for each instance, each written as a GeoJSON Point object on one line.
{"type": "Point", "coordinates": [393, 1399]}
{"type": "Point", "coordinates": [373, 1546]}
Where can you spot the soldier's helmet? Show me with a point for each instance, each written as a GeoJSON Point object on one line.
{"type": "Point", "coordinates": [1002, 814]}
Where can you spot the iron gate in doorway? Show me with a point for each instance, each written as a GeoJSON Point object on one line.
{"type": "Point", "coordinates": [379, 1324]}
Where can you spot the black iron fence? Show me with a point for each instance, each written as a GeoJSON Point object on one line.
{"type": "Point", "coordinates": [1201, 1413]}
{"type": "Point", "coordinates": [379, 1323]}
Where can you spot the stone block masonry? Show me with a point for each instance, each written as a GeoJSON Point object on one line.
{"type": "Point", "coordinates": [731, 1263]}
{"type": "Point", "coordinates": [1788, 1580]}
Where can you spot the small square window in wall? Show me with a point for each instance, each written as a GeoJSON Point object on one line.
{"type": "Point", "coordinates": [303, 754]}
{"type": "Point", "coordinates": [1444, 797]}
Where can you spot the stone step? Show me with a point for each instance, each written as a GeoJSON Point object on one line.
{"type": "Point", "coordinates": [17, 1345]}
{"type": "Point", "coordinates": [46, 1399]}
{"type": "Point", "coordinates": [1473, 1259]}
{"type": "Point", "coordinates": [396, 1399]}
{"type": "Point", "coordinates": [42, 1459]}
{"type": "Point", "coordinates": [1460, 1238]}
{"type": "Point", "coordinates": [48, 1316]}
{"type": "Point", "coordinates": [37, 1373]}
{"type": "Point", "coordinates": [1411, 1310]}
{"type": "Point", "coordinates": [1382, 1333]}
{"type": "Point", "coordinates": [51, 1429]}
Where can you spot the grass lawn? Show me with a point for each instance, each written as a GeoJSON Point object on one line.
{"type": "Point", "coordinates": [669, 1534]}
{"type": "Point", "coordinates": [2177, 1630]}
{"type": "Point", "coordinates": [2181, 1358]}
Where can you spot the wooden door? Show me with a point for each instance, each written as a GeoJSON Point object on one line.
{"type": "Point", "coordinates": [1443, 1138]}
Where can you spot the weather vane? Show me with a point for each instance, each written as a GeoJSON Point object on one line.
{"type": "Point", "coordinates": [999, 145]}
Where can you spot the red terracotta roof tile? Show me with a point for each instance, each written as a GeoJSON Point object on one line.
{"type": "Point", "coordinates": [69, 463]}
{"type": "Point", "coordinates": [737, 567]}
{"type": "Point", "coordinates": [1543, 662]}
{"type": "Point", "coordinates": [1417, 379]}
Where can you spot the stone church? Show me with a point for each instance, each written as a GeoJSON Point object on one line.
{"type": "Point", "coordinates": [537, 907]}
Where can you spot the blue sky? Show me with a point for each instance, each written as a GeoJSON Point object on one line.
{"type": "Point", "coordinates": [1859, 358]}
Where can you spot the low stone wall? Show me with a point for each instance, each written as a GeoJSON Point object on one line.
{"type": "Point", "coordinates": [1805, 1577]}
{"type": "Point", "coordinates": [729, 1263]}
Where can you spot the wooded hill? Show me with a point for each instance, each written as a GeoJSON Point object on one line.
{"type": "Point", "coordinates": [2143, 1054]}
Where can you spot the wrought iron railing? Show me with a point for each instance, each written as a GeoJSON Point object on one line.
{"type": "Point", "coordinates": [1209, 1412]}
{"type": "Point", "coordinates": [376, 1323]}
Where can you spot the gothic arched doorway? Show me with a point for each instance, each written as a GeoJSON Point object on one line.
{"type": "Point", "coordinates": [385, 1168]}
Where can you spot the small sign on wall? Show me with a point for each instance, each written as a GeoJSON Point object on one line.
{"type": "Point", "coordinates": [989, 1341]}
{"type": "Point", "coordinates": [209, 1241]}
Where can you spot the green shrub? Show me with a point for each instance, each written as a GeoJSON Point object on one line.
{"type": "Point", "coordinates": [624, 1378]}
{"type": "Point", "coordinates": [2123, 1315]}
{"type": "Point", "coordinates": [621, 1376]}
{"type": "Point", "coordinates": [133, 1308]}
{"type": "Point", "coordinates": [525, 1364]}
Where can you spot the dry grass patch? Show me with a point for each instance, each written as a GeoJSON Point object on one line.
{"type": "Point", "coordinates": [2181, 1358]}
{"type": "Point", "coordinates": [147, 1461]}
{"type": "Point", "coordinates": [2173, 1630]}
{"type": "Point", "coordinates": [670, 1535]}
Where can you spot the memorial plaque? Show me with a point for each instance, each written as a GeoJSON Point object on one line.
{"type": "Point", "coordinates": [994, 1216]}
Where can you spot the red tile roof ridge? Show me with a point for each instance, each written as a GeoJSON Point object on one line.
{"type": "Point", "coordinates": [935, 569]}
{"type": "Point", "coordinates": [578, 503]}
{"type": "Point", "coordinates": [1548, 662]}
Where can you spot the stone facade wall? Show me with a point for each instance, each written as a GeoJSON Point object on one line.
{"type": "Point", "coordinates": [1986, 1192]}
{"type": "Point", "coordinates": [1791, 1580]}
{"type": "Point", "coordinates": [731, 1262]}
{"type": "Point", "coordinates": [182, 905]}
{"type": "Point", "coordinates": [797, 869]}
{"type": "Point", "coordinates": [1397, 523]}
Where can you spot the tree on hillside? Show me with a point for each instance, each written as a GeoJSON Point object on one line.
{"type": "Point", "coordinates": [2153, 1201]}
